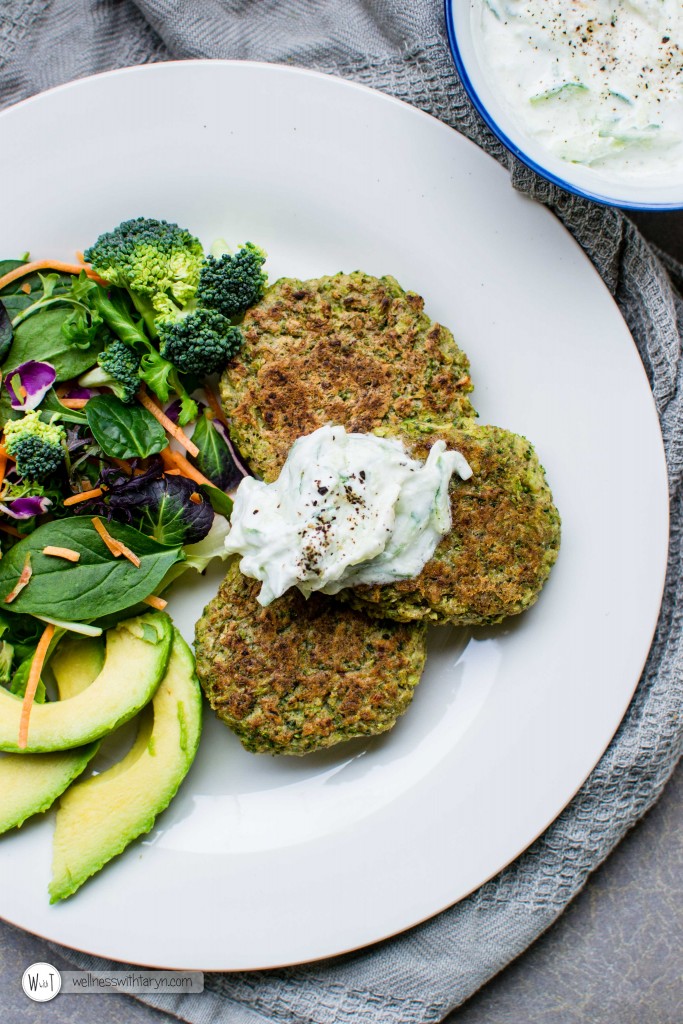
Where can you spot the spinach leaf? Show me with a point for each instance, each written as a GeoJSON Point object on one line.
{"type": "Point", "coordinates": [6, 410]}
{"type": "Point", "coordinates": [124, 431]}
{"type": "Point", "coordinates": [6, 333]}
{"type": "Point", "coordinates": [20, 679]}
{"type": "Point", "coordinates": [41, 337]}
{"type": "Point", "coordinates": [97, 585]}
{"type": "Point", "coordinates": [220, 501]}
{"type": "Point", "coordinates": [215, 459]}
{"type": "Point", "coordinates": [6, 658]}
{"type": "Point", "coordinates": [14, 297]}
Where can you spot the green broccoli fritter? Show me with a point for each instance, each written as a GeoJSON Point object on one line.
{"type": "Point", "coordinates": [504, 538]}
{"type": "Point", "coordinates": [118, 368]}
{"type": "Point", "coordinates": [350, 349]}
{"type": "Point", "coordinates": [302, 674]}
{"type": "Point", "coordinates": [38, 448]}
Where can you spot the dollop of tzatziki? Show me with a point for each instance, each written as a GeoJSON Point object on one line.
{"type": "Point", "coordinates": [346, 509]}
{"type": "Point", "coordinates": [598, 83]}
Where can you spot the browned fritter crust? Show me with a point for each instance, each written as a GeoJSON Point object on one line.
{"type": "Point", "coordinates": [350, 349]}
{"type": "Point", "coordinates": [504, 540]}
{"type": "Point", "coordinates": [300, 675]}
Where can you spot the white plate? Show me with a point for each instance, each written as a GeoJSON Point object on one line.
{"type": "Point", "coordinates": [263, 861]}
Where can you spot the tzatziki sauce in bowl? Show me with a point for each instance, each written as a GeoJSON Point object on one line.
{"type": "Point", "coordinates": [588, 93]}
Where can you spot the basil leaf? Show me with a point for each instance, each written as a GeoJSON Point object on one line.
{"type": "Point", "coordinates": [97, 585]}
{"type": "Point", "coordinates": [41, 337]}
{"type": "Point", "coordinates": [215, 459]}
{"type": "Point", "coordinates": [171, 517]}
{"type": "Point", "coordinates": [163, 508]}
{"type": "Point", "coordinates": [124, 431]}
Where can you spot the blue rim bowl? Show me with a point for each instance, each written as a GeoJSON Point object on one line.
{"type": "Point", "coordinates": [504, 134]}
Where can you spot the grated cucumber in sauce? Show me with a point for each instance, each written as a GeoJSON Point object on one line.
{"type": "Point", "coordinates": [596, 82]}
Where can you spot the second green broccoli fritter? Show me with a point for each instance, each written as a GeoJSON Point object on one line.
{"type": "Point", "coordinates": [350, 349]}
{"type": "Point", "coordinates": [301, 675]}
{"type": "Point", "coordinates": [504, 540]}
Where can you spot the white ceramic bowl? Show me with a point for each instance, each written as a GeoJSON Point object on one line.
{"type": "Point", "coordinates": [581, 180]}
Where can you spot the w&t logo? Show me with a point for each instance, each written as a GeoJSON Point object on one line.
{"type": "Point", "coordinates": [41, 982]}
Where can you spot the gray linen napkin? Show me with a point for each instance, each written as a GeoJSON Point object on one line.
{"type": "Point", "coordinates": [400, 47]}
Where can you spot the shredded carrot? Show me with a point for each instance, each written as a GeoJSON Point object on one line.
{"type": "Point", "coordinates": [74, 403]}
{"type": "Point", "coordinates": [23, 580]}
{"type": "Point", "coordinates": [172, 472]}
{"type": "Point", "coordinates": [196, 498]}
{"type": "Point", "coordinates": [130, 555]}
{"type": "Point", "coordinates": [122, 464]}
{"type": "Point", "coordinates": [177, 461]}
{"type": "Point", "coordinates": [166, 455]}
{"type": "Point", "coordinates": [68, 553]}
{"type": "Point", "coordinates": [63, 268]}
{"type": "Point", "coordinates": [215, 405]}
{"type": "Point", "coordinates": [74, 499]}
{"type": "Point", "coordinates": [11, 530]}
{"type": "Point", "coordinates": [168, 425]}
{"type": "Point", "coordinates": [32, 683]}
{"type": "Point", "coordinates": [26, 288]}
{"type": "Point", "coordinates": [79, 256]}
{"type": "Point", "coordinates": [155, 602]}
{"type": "Point", "coordinates": [115, 546]}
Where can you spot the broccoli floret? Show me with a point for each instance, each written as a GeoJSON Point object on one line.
{"type": "Point", "coordinates": [38, 448]}
{"type": "Point", "coordinates": [187, 300]}
{"type": "Point", "coordinates": [156, 262]}
{"type": "Point", "coordinates": [199, 342]}
{"type": "Point", "coordinates": [118, 369]}
{"type": "Point", "coordinates": [233, 283]}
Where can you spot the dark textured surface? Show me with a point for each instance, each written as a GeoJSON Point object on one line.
{"type": "Point", "coordinates": [614, 957]}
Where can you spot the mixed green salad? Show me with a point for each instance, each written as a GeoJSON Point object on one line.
{"type": "Point", "coordinates": [114, 460]}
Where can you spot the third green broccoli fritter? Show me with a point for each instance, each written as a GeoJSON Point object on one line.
{"type": "Point", "coordinates": [301, 675]}
{"type": "Point", "coordinates": [350, 349]}
{"type": "Point", "coordinates": [504, 540]}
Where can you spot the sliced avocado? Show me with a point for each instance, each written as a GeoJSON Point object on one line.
{"type": "Point", "coordinates": [100, 816]}
{"type": "Point", "coordinates": [76, 664]}
{"type": "Point", "coordinates": [30, 783]}
{"type": "Point", "coordinates": [136, 656]}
